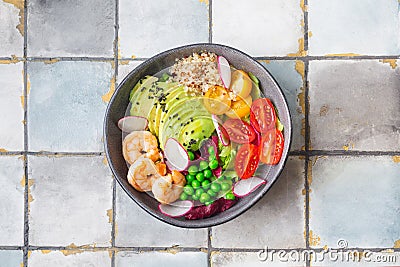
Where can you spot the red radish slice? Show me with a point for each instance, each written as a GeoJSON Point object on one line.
{"type": "Point", "coordinates": [176, 155]}
{"type": "Point", "coordinates": [224, 71]}
{"type": "Point", "coordinates": [129, 124]}
{"type": "Point", "coordinates": [221, 132]}
{"type": "Point", "coordinates": [246, 186]}
{"type": "Point", "coordinates": [176, 209]}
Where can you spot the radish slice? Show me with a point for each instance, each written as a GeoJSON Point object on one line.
{"type": "Point", "coordinates": [176, 155]}
{"type": "Point", "coordinates": [247, 186]}
{"type": "Point", "coordinates": [176, 209]}
{"type": "Point", "coordinates": [221, 132]}
{"type": "Point", "coordinates": [132, 123]}
{"type": "Point", "coordinates": [224, 71]}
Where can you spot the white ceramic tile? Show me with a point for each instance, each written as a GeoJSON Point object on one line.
{"type": "Point", "coordinates": [157, 259]}
{"type": "Point", "coordinates": [356, 199]}
{"type": "Point", "coordinates": [258, 27]}
{"type": "Point", "coordinates": [70, 200]}
{"type": "Point", "coordinates": [11, 201]}
{"type": "Point", "coordinates": [11, 108]}
{"type": "Point", "coordinates": [149, 230]}
{"type": "Point", "coordinates": [11, 23]}
{"type": "Point", "coordinates": [149, 27]}
{"type": "Point", "coordinates": [276, 221]}
{"type": "Point", "coordinates": [351, 26]}
{"type": "Point", "coordinates": [10, 258]}
{"type": "Point", "coordinates": [57, 258]}
{"type": "Point", "coordinates": [354, 104]}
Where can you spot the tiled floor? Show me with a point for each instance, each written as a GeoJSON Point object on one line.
{"type": "Point", "coordinates": [337, 62]}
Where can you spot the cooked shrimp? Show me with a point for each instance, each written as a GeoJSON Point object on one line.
{"type": "Point", "coordinates": [161, 168]}
{"type": "Point", "coordinates": [140, 143]}
{"type": "Point", "coordinates": [167, 189]}
{"type": "Point", "coordinates": [142, 173]}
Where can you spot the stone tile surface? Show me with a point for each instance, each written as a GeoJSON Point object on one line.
{"type": "Point", "coordinates": [289, 75]}
{"type": "Point", "coordinates": [149, 27]}
{"type": "Point", "coordinates": [352, 26]}
{"type": "Point", "coordinates": [156, 259]}
{"type": "Point", "coordinates": [282, 206]}
{"type": "Point", "coordinates": [10, 258]}
{"type": "Point", "coordinates": [253, 259]}
{"type": "Point", "coordinates": [11, 28]}
{"type": "Point", "coordinates": [11, 201]}
{"type": "Point", "coordinates": [71, 198]}
{"type": "Point", "coordinates": [11, 107]}
{"type": "Point", "coordinates": [355, 199]}
{"type": "Point", "coordinates": [354, 104]}
{"type": "Point", "coordinates": [137, 228]}
{"type": "Point", "coordinates": [66, 105]}
{"type": "Point", "coordinates": [259, 27]}
{"type": "Point", "coordinates": [71, 28]}
{"type": "Point", "coordinates": [125, 67]}
{"type": "Point", "coordinates": [58, 258]}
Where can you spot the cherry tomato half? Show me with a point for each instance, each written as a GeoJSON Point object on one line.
{"type": "Point", "coordinates": [239, 131]}
{"type": "Point", "coordinates": [240, 108]}
{"type": "Point", "coordinates": [262, 115]}
{"type": "Point", "coordinates": [246, 161]}
{"type": "Point", "coordinates": [271, 147]}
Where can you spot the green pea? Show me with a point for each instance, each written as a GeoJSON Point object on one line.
{"type": "Point", "coordinates": [207, 173]}
{"type": "Point", "coordinates": [195, 197]}
{"type": "Point", "coordinates": [212, 157]}
{"type": "Point", "coordinates": [216, 187]}
{"type": "Point", "coordinates": [195, 184]}
{"type": "Point", "coordinates": [213, 178]}
{"type": "Point", "coordinates": [203, 165]}
{"type": "Point", "coordinates": [184, 196]}
{"type": "Point", "coordinates": [204, 198]}
{"type": "Point", "coordinates": [213, 164]}
{"type": "Point", "coordinates": [225, 186]}
{"type": "Point", "coordinates": [193, 170]}
{"type": "Point", "coordinates": [191, 155]}
{"type": "Point", "coordinates": [200, 177]}
{"type": "Point", "coordinates": [199, 191]}
{"type": "Point", "coordinates": [190, 178]}
{"type": "Point", "coordinates": [230, 196]}
{"type": "Point", "coordinates": [211, 193]}
{"type": "Point", "coordinates": [211, 150]}
{"type": "Point", "coordinates": [205, 184]}
{"type": "Point", "coordinates": [188, 190]}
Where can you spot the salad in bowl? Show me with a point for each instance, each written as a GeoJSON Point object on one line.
{"type": "Point", "coordinates": [201, 137]}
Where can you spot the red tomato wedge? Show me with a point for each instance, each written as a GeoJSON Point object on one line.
{"type": "Point", "coordinates": [239, 131]}
{"type": "Point", "coordinates": [262, 115]}
{"type": "Point", "coordinates": [246, 161]}
{"type": "Point", "coordinates": [271, 147]}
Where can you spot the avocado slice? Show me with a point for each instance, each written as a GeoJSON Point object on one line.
{"type": "Point", "coordinates": [142, 96]}
{"type": "Point", "coordinates": [164, 89]}
{"type": "Point", "coordinates": [192, 134]}
{"type": "Point", "coordinates": [179, 116]}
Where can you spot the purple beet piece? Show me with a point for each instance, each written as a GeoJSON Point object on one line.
{"type": "Point", "coordinates": [203, 211]}
{"type": "Point", "coordinates": [218, 171]}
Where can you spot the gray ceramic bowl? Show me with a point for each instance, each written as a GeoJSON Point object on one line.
{"type": "Point", "coordinates": [119, 102]}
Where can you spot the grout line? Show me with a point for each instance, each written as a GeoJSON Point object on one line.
{"type": "Point", "coordinates": [26, 146]}
{"type": "Point", "coordinates": [46, 59]}
{"type": "Point", "coordinates": [210, 33]}
{"type": "Point", "coordinates": [114, 184]}
{"type": "Point", "coordinates": [306, 133]}
{"type": "Point", "coordinates": [209, 246]}
{"type": "Point", "coordinates": [185, 249]}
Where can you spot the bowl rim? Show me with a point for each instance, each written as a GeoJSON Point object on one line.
{"type": "Point", "coordinates": [200, 223]}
